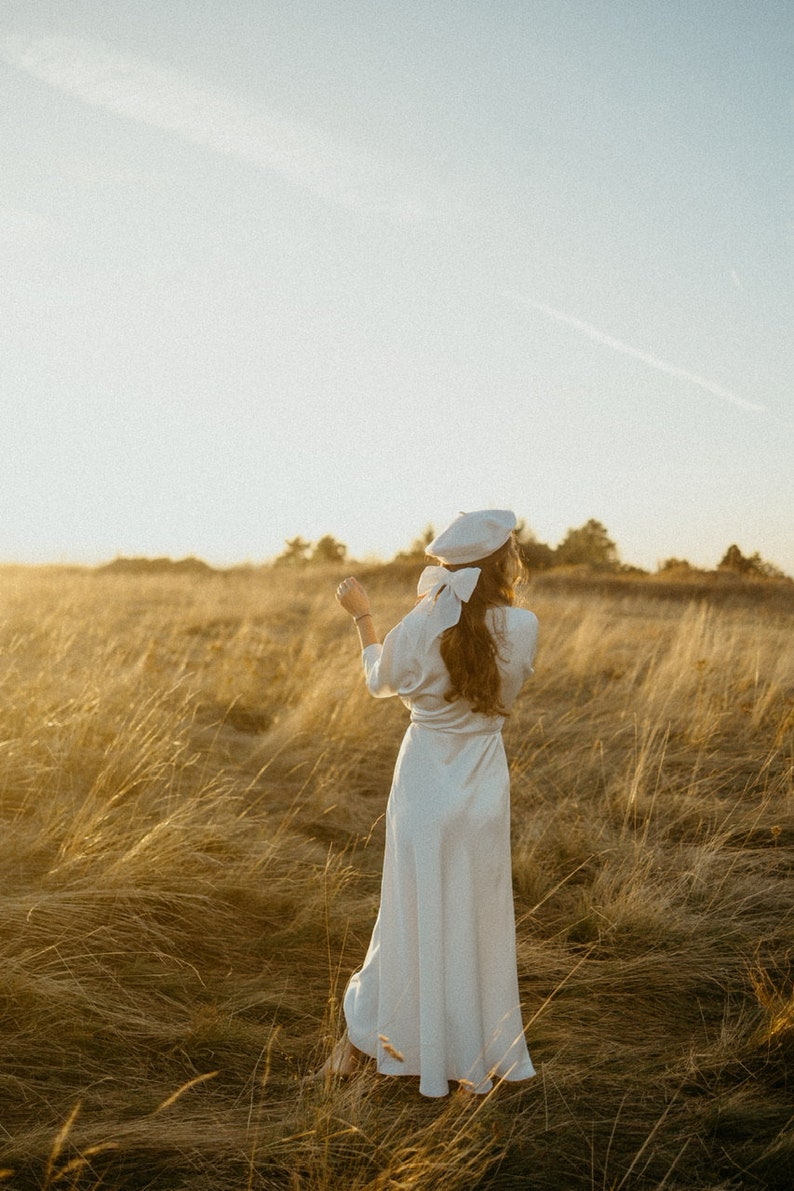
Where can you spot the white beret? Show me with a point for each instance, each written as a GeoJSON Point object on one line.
{"type": "Point", "coordinates": [473, 536]}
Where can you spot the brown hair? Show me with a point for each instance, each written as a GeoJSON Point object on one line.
{"type": "Point", "coordinates": [469, 649]}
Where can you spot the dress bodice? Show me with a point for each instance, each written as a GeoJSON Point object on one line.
{"type": "Point", "coordinates": [410, 666]}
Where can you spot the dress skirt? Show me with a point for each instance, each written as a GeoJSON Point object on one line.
{"type": "Point", "coordinates": [437, 994]}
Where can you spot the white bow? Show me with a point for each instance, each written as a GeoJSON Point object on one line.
{"type": "Point", "coordinates": [444, 593]}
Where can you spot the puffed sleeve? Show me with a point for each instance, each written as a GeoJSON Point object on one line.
{"type": "Point", "coordinates": [392, 668]}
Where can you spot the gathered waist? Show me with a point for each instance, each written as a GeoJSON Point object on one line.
{"type": "Point", "coordinates": [453, 729]}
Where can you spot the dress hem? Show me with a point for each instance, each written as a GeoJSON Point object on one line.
{"type": "Point", "coordinates": [481, 1089]}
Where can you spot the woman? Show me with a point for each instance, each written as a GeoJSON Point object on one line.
{"type": "Point", "coordinates": [437, 994]}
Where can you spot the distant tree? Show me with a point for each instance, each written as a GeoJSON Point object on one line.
{"type": "Point", "coordinates": [329, 550]}
{"type": "Point", "coordinates": [754, 565]}
{"type": "Point", "coordinates": [296, 553]}
{"type": "Point", "coordinates": [418, 548]}
{"type": "Point", "coordinates": [674, 564]}
{"type": "Point", "coordinates": [734, 560]}
{"type": "Point", "coordinates": [589, 545]}
{"type": "Point", "coordinates": [537, 556]}
{"type": "Point", "coordinates": [768, 569]}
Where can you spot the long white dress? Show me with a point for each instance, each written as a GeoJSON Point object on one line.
{"type": "Point", "coordinates": [437, 994]}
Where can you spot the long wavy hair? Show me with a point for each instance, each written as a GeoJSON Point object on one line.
{"type": "Point", "coordinates": [470, 649]}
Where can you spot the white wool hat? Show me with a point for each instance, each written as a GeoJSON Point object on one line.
{"type": "Point", "coordinates": [473, 536]}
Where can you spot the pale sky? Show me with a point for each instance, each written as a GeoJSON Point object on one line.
{"type": "Point", "coordinates": [305, 267]}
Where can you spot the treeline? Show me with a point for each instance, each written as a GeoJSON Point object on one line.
{"type": "Point", "coordinates": [587, 547]}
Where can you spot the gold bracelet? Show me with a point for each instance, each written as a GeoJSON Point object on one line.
{"type": "Point", "coordinates": [363, 616]}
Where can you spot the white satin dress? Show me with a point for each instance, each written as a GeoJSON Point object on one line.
{"type": "Point", "coordinates": [437, 994]}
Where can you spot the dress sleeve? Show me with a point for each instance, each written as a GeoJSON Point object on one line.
{"type": "Point", "coordinates": [529, 641]}
{"type": "Point", "coordinates": [392, 668]}
{"type": "Point", "coordinates": [523, 638]}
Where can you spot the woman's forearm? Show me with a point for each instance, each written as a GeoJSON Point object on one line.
{"type": "Point", "coordinates": [366, 630]}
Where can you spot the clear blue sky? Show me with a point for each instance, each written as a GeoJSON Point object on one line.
{"type": "Point", "coordinates": [304, 267]}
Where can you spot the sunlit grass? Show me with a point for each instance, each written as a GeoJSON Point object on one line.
{"type": "Point", "coordinates": [192, 785]}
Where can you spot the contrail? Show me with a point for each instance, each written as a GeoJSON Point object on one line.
{"type": "Point", "coordinates": [153, 94]}
{"type": "Point", "coordinates": [653, 361]}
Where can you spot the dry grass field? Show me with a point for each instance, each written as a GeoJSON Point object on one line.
{"type": "Point", "coordinates": [192, 786]}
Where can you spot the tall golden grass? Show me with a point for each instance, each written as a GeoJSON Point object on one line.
{"type": "Point", "coordinates": [192, 785]}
